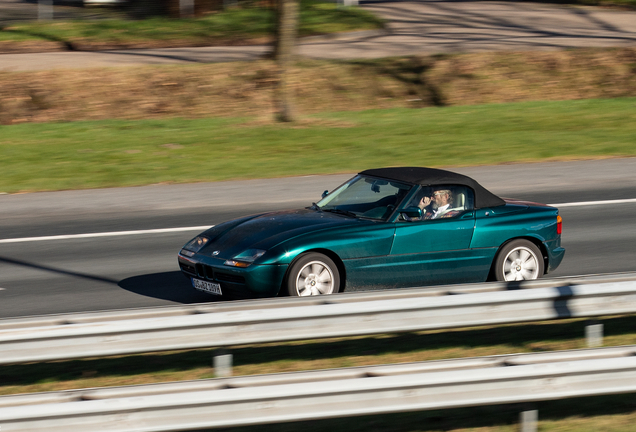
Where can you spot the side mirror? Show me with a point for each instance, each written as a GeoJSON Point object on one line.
{"type": "Point", "coordinates": [412, 213]}
{"type": "Point", "coordinates": [325, 193]}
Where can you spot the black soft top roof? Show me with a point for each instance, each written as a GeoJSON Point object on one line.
{"type": "Point", "coordinates": [432, 177]}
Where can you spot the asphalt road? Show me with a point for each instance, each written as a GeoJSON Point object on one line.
{"type": "Point", "coordinates": [414, 27]}
{"type": "Point", "coordinates": [107, 270]}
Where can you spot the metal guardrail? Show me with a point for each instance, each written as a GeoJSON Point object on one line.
{"type": "Point", "coordinates": [401, 293]}
{"type": "Point", "coordinates": [329, 393]}
{"type": "Point", "coordinates": [197, 326]}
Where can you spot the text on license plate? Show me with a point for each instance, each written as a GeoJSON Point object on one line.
{"type": "Point", "coordinates": [210, 287]}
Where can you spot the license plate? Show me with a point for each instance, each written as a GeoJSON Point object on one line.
{"type": "Point", "coordinates": [209, 287]}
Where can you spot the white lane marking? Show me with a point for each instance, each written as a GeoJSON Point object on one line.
{"type": "Point", "coordinates": [202, 228]}
{"type": "Point", "coordinates": [104, 234]}
{"type": "Point", "coordinates": [595, 203]}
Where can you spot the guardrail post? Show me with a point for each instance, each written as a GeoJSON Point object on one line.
{"type": "Point", "coordinates": [594, 334]}
{"type": "Point", "coordinates": [528, 421]}
{"type": "Point", "coordinates": [222, 361]}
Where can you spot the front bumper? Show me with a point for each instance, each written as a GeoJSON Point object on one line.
{"type": "Point", "coordinates": [255, 281]}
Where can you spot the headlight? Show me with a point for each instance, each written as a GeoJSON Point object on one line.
{"type": "Point", "coordinates": [245, 258]}
{"type": "Point", "coordinates": [194, 245]}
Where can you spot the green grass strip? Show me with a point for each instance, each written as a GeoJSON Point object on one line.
{"type": "Point", "coordinates": [77, 155]}
{"type": "Point", "coordinates": [232, 24]}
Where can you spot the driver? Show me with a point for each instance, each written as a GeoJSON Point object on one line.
{"type": "Point", "coordinates": [438, 205]}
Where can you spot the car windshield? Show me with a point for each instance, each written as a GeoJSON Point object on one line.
{"type": "Point", "coordinates": [365, 197]}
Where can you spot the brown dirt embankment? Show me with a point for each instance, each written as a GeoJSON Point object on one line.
{"type": "Point", "coordinates": [245, 89]}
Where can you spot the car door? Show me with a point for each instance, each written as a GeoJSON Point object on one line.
{"type": "Point", "coordinates": [436, 251]}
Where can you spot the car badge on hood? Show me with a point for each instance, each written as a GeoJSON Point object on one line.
{"type": "Point", "coordinates": [216, 252]}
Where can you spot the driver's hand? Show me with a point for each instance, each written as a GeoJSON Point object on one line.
{"type": "Point", "coordinates": [425, 201]}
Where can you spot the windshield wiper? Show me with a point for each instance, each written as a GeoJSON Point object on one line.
{"type": "Point", "coordinates": [314, 206]}
{"type": "Point", "coordinates": [341, 212]}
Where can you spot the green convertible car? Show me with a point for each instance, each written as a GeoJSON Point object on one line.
{"type": "Point", "coordinates": [384, 228]}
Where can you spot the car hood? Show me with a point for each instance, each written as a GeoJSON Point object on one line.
{"type": "Point", "coordinates": [268, 230]}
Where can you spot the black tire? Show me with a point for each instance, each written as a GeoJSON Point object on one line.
{"type": "Point", "coordinates": [312, 274]}
{"type": "Point", "coordinates": [519, 260]}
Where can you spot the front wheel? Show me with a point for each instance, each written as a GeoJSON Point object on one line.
{"type": "Point", "coordinates": [519, 260]}
{"type": "Point", "coordinates": [313, 274]}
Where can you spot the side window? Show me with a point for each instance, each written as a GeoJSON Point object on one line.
{"type": "Point", "coordinates": [442, 201]}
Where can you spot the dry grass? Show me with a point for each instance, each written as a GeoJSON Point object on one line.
{"type": "Point", "coordinates": [245, 89]}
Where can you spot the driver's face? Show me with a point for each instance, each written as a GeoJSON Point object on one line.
{"type": "Point", "coordinates": [440, 198]}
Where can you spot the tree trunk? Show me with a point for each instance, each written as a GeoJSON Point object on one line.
{"type": "Point", "coordinates": [287, 15]}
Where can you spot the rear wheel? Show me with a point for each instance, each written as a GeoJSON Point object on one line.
{"type": "Point", "coordinates": [519, 260]}
{"type": "Point", "coordinates": [313, 274]}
